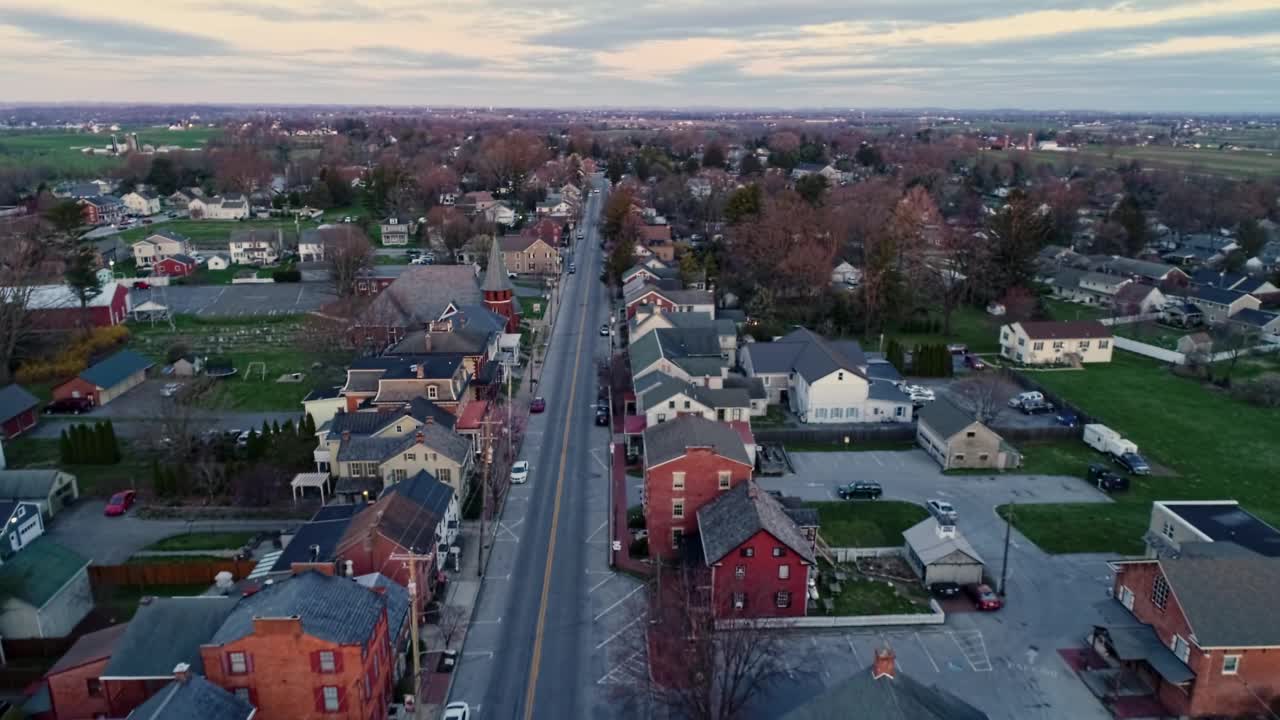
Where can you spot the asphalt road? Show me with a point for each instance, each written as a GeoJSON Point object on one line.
{"type": "Point", "coordinates": [264, 299]}
{"type": "Point", "coordinates": [549, 607]}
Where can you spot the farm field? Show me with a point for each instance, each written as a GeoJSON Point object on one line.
{"type": "Point", "coordinates": [60, 150]}
{"type": "Point", "coordinates": [1226, 163]}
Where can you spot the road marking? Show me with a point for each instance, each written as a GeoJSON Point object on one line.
{"type": "Point", "coordinates": [623, 629]}
{"type": "Point", "coordinates": [513, 538]}
{"type": "Point", "coordinates": [607, 610]}
{"type": "Point", "coordinates": [603, 525]}
{"type": "Point", "coordinates": [487, 622]}
{"type": "Point", "coordinates": [877, 459]}
{"type": "Point", "coordinates": [852, 649]}
{"type": "Point", "coordinates": [531, 690]}
{"type": "Point", "coordinates": [596, 457]}
{"type": "Point", "coordinates": [926, 652]}
{"type": "Point", "coordinates": [597, 585]}
{"type": "Point", "coordinates": [620, 666]}
{"type": "Point", "coordinates": [485, 653]}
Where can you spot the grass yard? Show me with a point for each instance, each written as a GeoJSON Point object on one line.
{"type": "Point", "coordinates": [858, 446]}
{"type": "Point", "coordinates": [874, 597]}
{"type": "Point", "coordinates": [121, 602]}
{"type": "Point", "coordinates": [527, 307]}
{"type": "Point", "coordinates": [203, 541]}
{"type": "Point", "coordinates": [1216, 447]}
{"type": "Point", "coordinates": [209, 234]}
{"type": "Point", "coordinates": [1209, 161]}
{"type": "Point", "coordinates": [1062, 310]}
{"type": "Point", "coordinates": [969, 325]}
{"type": "Point", "coordinates": [60, 150]}
{"type": "Point", "coordinates": [1153, 334]}
{"type": "Point", "coordinates": [867, 523]}
{"type": "Point", "coordinates": [93, 480]}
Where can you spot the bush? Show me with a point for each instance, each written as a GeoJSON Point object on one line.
{"type": "Point", "coordinates": [635, 518]}
{"type": "Point", "coordinates": [177, 351]}
{"type": "Point", "coordinates": [1263, 392]}
{"type": "Point", "coordinates": [75, 357]}
{"type": "Point", "coordinates": [83, 444]}
{"type": "Point", "coordinates": [286, 276]}
{"type": "Point", "coordinates": [639, 548]}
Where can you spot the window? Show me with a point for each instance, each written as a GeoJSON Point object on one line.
{"type": "Point", "coordinates": [1160, 593]}
{"type": "Point", "coordinates": [748, 552]}
{"type": "Point", "coordinates": [1058, 344]}
{"type": "Point", "coordinates": [677, 481]}
{"type": "Point", "coordinates": [243, 694]}
{"type": "Point", "coordinates": [1104, 344]}
{"type": "Point", "coordinates": [899, 411]}
{"type": "Point", "coordinates": [782, 599]}
{"type": "Point", "coordinates": [327, 663]}
{"type": "Point", "coordinates": [983, 457]}
{"type": "Point", "coordinates": [822, 413]}
{"type": "Point", "coordinates": [662, 417]}
{"type": "Point", "coordinates": [671, 404]}
{"type": "Point", "coordinates": [444, 475]}
{"type": "Point", "coordinates": [839, 377]}
{"type": "Point", "coordinates": [410, 456]}
{"type": "Point", "coordinates": [837, 412]}
{"type": "Point", "coordinates": [330, 695]}
{"type": "Point", "coordinates": [1037, 345]}
{"type": "Point", "coordinates": [1084, 344]}
{"type": "Point", "coordinates": [1167, 529]}
{"type": "Point", "coordinates": [740, 571]}
{"type": "Point", "coordinates": [784, 572]}
{"type": "Point", "coordinates": [1230, 664]}
{"type": "Point", "coordinates": [432, 392]}
{"type": "Point", "coordinates": [725, 478]}
{"type": "Point", "coordinates": [398, 430]}
{"type": "Point", "coordinates": [677, 534]}
{"type": "Point", "coordinates": [970, 434]}
{"type": "Point", "coordinates": [686, 405]}
{"type": "Point", "coordinates": [677, 508]}
{"type": "Point", "coordinates": [737, 413]}
{"type": "Point", "coordinates": [94, 687]}
{"type": "Point", "coordinates": [739, 601]}
{"type": "Point", "coordinates": [398, 474]}
{"type": "Point", "coordinates": [779, 551]}
{"type": "Point", "coordinates": [1180, 648]}
{"type": "Point", "coordinates": [238, 663]}
{"type": "Point", "coordinates": [959, 457]}
{"type": "Point", "coordinates": [1022, 342]}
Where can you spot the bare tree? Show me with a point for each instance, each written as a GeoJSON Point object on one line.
{"type": "Point", "coordinates": [22, 253]}
{"type": "Point", "coordinates": [985, 393]}
{"type": "Point", "coordinates": [349, 254]}
{"type": "Point", "coordinates": [1233, 340]}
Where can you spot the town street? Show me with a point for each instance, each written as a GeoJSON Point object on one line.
{"type": "Point", "coordinates": [539, 643]}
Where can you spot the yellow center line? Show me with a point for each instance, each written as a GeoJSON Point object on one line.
{"type": "Point", "coordinates": [532, 690]}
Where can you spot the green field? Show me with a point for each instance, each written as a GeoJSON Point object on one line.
{"type": "Point", "coordinates": [1203, 445]}
{"type": "Point", "coordinates": [1063, 310]}
{"type": "Point", "coordinates": [209, 234]}
{"type": "Point", "coordinates": [60, 152]}
{"type": "Point", "coordinates": [1226, 163]}
{"type": "Point", "coordinates": [866, 523]}
{"type": "Point", "coordinates": [203, 541]}
{"type": "Point", "coordinates": [969, 325]}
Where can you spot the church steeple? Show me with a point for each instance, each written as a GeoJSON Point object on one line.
{"type": "Point", "coordinates": [497, 289]}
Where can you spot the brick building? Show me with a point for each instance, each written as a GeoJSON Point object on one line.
{"type": "Point", "coordinates": [75, 690]}
{"type": "Point", "coordinates": [309, 646]}
{"type": "Point", "coordinates": [689, 461]}
{"type": "Point", "coordinates": [1206, 631]}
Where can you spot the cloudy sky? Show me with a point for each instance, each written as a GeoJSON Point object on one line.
{"type": "Point", "coordinates": [1165, 55]}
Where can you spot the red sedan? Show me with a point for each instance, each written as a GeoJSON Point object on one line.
{"type": "Point", "coordinates": [120, 503]}
{"type": "Point", "coordinates": [538, 405]}
{"type": "Point", "coordinates": [984, 598]}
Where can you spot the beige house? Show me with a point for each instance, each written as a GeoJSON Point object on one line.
{"type": "Point", "coordinates": [160, 245]}
{"type": "Point", "coordinates": [955, 439]}
{"type": "Point", "coordinates": [371, 450]}
{"type": "Point", "coordinates": [1177, 522]}
{"type": "Point", "coordinates": [50, 490]}
{"type": "Point", "coordinates": [530, 255]}
{"type": "Point", "coordinates": [1056, 342]}
{"type": "Point", "coordinates": [259, 246]}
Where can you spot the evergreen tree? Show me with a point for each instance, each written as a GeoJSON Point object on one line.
{"type": "Point", "coordinates": [275, 427]}
{"type": "Point", "coordinates": [289, 429]}
{"type": "Point", "coordinates": [157, 479]}
{"type": "Point", "coordinates": [115, 443]}
{"type": "Point", "coordinates": [65, 453]}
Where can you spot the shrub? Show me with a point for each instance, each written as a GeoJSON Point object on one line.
{"type": "Point", "coordinates": [635, 518]}
{"type": "Point", "coordinates": [639, 548]}
{"type": "Point", "coordinates": [73, 358]}
{"type": "Point", "coordinates": [286, 276]}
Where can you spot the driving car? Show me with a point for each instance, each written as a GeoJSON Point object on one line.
{"type": "Point", "coordinates": [457, 711]}
{"type": "Point", "coordinates": [73, 405]}
{"type": "Point", "coordinates": [984, 598]}
{"type": "Point", "coordinates": [944, 589]}
{"type": "Point", "coordinates": [1104, 479]}
{"type": "Point", "coordinates": [520, 473]}
{"type": "Point", "coordinates": [604, 330]}
{"type": "Point", "coordinates": [943, 511]}
{"type": "Point", "coordinates": [538, 405]}
{"type": "Point", "coordinates": [120, 503]}
{"type": "Point", "coordinates": [1134, 463]}
{"type": "Point", "coordinates": [862, 489]}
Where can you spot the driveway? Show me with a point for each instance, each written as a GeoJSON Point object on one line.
{"type": "Point", "coordinates": [1051, 600]}
{"type": "Point", "coordinates": [265, 299]}
{"type": "Point", "coordinates": [112, 540]}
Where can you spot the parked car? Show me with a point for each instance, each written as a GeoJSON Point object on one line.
{"type": "Point", "coordinates": [457, 711]}
{"type": "Point", "coordinates": [944, 589]}
{"type": "Point", "coordinates": [919, 394]}
{"type": "Point", "coordinates": [520, 473]}
{"type": "Point", "coordinates": [604, 330]}
{"type": "Point", "coordinates": [448, 661]}
{"type": "Point", "coordinates": [974, 362]}
{"type": "Point", "coordinates": [420, 261]}
{"type": "Point", "coordinates": [170, 389]}
{"type": "Point", "coordinates": [1068, 418]}
{"type": "Point", "coordinates": [538, 405]}
{"type": "Point", "coordinates": [602, 416]}
{"type": "Point", "coordinates": [943, 511]}
{"type": "Point", "coordinates": [511, 275]}
{"type": "Point", "coordinates": [120, 503]}
{"type": "Point", "coordinates": [72, 405]}
{"type": "Point", "coordinates": [1104, 479]}
{"type": "Point", "coordinates": [147, 221]}
{"type": "Point", "coordinates": [1034, 395]}
{"type": "Point", "coordinates": [984, 598]}
{"type": "Point", "coordinates": [1134, 463]}
{"type": "Point", "coordinates": [572, 268]}
{"type": "Point", "coordinates": [1035, 407]}
{"type": "Point", "coordinates": [141, 285]}
{"type": "Point", "coordinates": [958, 349]}
{"type": "Point", "coordinates": [862, 489]}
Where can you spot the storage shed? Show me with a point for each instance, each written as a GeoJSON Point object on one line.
{"type": "Point", "coordinates": [939, 553]}
{"type": "Point", "coordinates": [108, 379]}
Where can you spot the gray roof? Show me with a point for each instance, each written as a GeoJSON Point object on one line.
{"type": "Point", "coordinates": [15, 400]}
{"type": "Point", "coordinates": [736, 515]}
{"type": "Point", "coordinates": [883, 370]}
{"type": "Point", "coordinates": [397, 601]}
{"type": "Point", "coordinates": [945, 418]}
{"type": "Point", "coordinates": [407, 514]}
{"type": "Point", "coordinates": [437, 437]}
{"type": "Point", "coordinates": [772, 358]}
{"type": "Point", "coordinates": [495, 274]}
{"type": "Point", "coordinates": [753, 386]}
{"type": "Point", "coordinates": [322, 532]}
{"type": "Point", "coordinates": [929, 547]}
{"type": "Point", "coordinates": [165, 632]}
{"type": "Point", "coordinates": [27, 484]}
{"type": "Point", "coordinates": [819, 357]}
{"type": "Point", "coordinates": [899, 697]}
{"type": "Point", "coordinates": [421, 294]}
{"type": "Point", "coordinates": [168, 235]}
{"type": "Point", "coordinates": [331, 608]}
{"type": "Point", "coordinates": [669, 440]}
{"type": "Point", "coordinates": [1141, 268]}
{"type": "Point", "coordinates": [1257, 318]}
{"type": "Point", "coordinates": [1140, 642]}
{"type": "Point", "coordinates": [1219, 296]}
{"type": "Point", "coordinates": [1228, 601]}
{"type": "Point", "coordinates": [193, 699]}
{"type": "Point", "coordinates": [886, 391]}
{"type": "Point", "coordinates": [678, 345]}
{"type": "Point", "coordinates": [116, 368]}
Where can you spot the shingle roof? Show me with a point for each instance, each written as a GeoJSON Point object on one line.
{"type": "Point", "coordinates": [407, 514]}
{"type": "Point", "coordinates": [670, 440]}
{"type": "Point", "coordinates": [495, 273]}
{"type": "Point", "coordinates": [886, 391]}
{"type": "Point", "coordinates": [899, 697]}
{"type": "Point", "coordinates": [1064, 329]}
{"type": "Point", "coordinates": [1215, 295]}
{"type": "Point", "coordinates": [421, 293]}
{"type": "Point", "coordinates": [37, 573]}
{"type": "Point", "coordinates": [165, 632]}
{"type": "Point", "coordinates": [676, 344]}
{"type": "Point", "coordinates": [736, 515]}
{"type": "Point", "coordinates": [1141, 268]}
{"type": "Point", "coordinates": [192, 699]}
{"type": "Point", "coordinates": [809, 354]}
{"type": "Point", "coordinates": [772, 358]}
{"type": "Point", "coordinates": [88, 648]}
{"type": "Point", "coordinates": [15, 400]}
{"type": "Point", "coordinates": [323, 530]}
{"type": "Point", "coordinates": [377, 449]}
{"type": "Point", "coordinates": [1228, 522]}
{"type": "Point", "coordinates": [945, 417]}
{"type": "Point", "coordinates": [928, 546]}
{"type": "Point", "coordinates": [331, 608]}
{"type": "Point", "coordinates": [27, 484]}
{"type": "Point", "coordinates": [397, 601]}
{"type": "Point", "coordinates": [113, 370]}
{"type": "Point", "coordinates": [1228, 601]}
{"type": "Point", "coordinates": [1257, 318]}
{"type": "Point", "coordinates": [169, 235]}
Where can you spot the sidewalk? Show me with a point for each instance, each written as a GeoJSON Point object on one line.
{"type": "Point", "coordinates": [622, 559]}
{"type": "Point", "coordinates": [459, 605]}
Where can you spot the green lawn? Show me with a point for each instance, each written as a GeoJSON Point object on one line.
{"type": "Point", "coordinates": [92, 480]}
{"type": "Point", "coordinates": [203, 541]}
{"type": "Point", "coordinates": [874, 597]}
{"type": "Point", "coordinates": [170, 559]}
{"type": "Point", "coordinates": [60, 150]}
{"type": "Point", "coordinates": [527, 307]}
{"type": "Point", "coordinates": [1212, 447]}
{"type": "Point", "coordinates": [121, 602]}
{"type": "Point", "coordinates": [1063, 310]}
{"type": "Point", "coordinates": [859, 446]}
{"type": "Point", "coordinates": [969, 325]}
{"type": "Point", "coordinates": [866, 523]}
{"type": "Point", "coordinates": [210, 234]}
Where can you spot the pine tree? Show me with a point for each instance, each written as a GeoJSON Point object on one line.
{"type": "Point", "coordinates": [64, 449]}
{"type": "Point", "coordinates": [275, 428]}
{"type": "Point", "coordinates": [77, 444]}
{"type": "Point", "coordinates": [115, 443]}
{"type": "Point", "coordinates": [288, 428]}
{"type": "Point", "coordinates": [101, 444]}
{"type": "Point", "coordinates": [157, 480]}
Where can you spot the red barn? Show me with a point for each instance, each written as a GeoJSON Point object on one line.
{"type": "Point", "coordinates": [175, 266]}
{"type": "Point", "coordinates": [689, 462]}
{"type": "Point", "coordinates": [55, 307]}
{"type": "Point", "coordinates": [758, 556]}
{"type": "Point", "coordinates": [17, 410]}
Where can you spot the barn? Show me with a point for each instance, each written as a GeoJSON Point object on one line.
{"type": "Point", "coordinates": [56, 307]}
{"type": "Point", "coordinates": [17, 410]}
{"type": "Point", "coordinates": [175, 266]}
{"type": "Point", "coordinates": [108, 379]}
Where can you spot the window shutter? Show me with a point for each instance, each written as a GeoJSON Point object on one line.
{"type": "Point", "coordinates": [226, 663]}
{"type": "Point", "coordinates": [315, 661]}
{"type": "Point", "coordinates": [337, 660]}
{"type": "Point", "coordinates": [248, 662]}
{"type": "Point", "coordinates": [342, 699]}
{"type": "Point", "coordinates": [319, 699]}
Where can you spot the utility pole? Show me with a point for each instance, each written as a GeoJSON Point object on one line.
{"type": "Point", "coordinates": [1008, 529]}
{"type": "Point", "coordinates": [413, 558]}
{"type": "Point", "coordinates": [486, 457]}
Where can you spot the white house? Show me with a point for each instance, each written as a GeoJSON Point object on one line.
{"type": "Point", "coordinates": [218, 261]}
{"type": "Point", "coordinates": [220, 207]}
{"type": "Point", "coordinates": [500, 214]}
{"type": "Point", "coordinates": [160, 245]}
{"type": "Point", "coordinates": [846, 274]}
{"type": "Point", "coordinates": [1053, 342]}
{"type": "Point", "coordinates": [255, 247]}
{"type": "Point", "coordinates": [141, 203]}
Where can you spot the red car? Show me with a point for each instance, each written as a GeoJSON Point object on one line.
{"type": "Point", "coordinates": [141, 285]}
{"type": "Point", "coordinates": [984, 598]}
{"type": "Point", "coordinates": [538, 405]}
{"type": "Point", "coordinates": [120, 503]}
{"type": "Point", "coordinates": [975, 362]}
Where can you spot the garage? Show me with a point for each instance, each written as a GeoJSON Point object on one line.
{"type": "Point", "coordinates": [939, 553]}
{"type": "Point", "coordinates": [106, 380]}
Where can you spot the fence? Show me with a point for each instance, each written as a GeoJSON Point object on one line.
{"type": "Point", "coordinates": [1148, 350]}
{"type": "Point", "coordinates": [885, 432]}
{"type": "Point", "coordinates": [144, 574]}
{"type": "Point", "coordinates": [936, 617]}
{"type": "Point", "coordinates": [1130, 319]}
{"type": "Point", "coordinates": [845, 554]}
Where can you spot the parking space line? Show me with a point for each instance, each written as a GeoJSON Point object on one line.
{"type": "Point", "coordinates": [926, 652]}
{"type": "Point", "coordinates": [607, 610]}
{"type": "Point", "coordinates": [597, 585]}
{"type": "Point", "coordinates": [621, 630]}
{"type": "Point", "coordinates": [853, 650]}
{"type": "Point", "coordinates": [603, 525]}
{"type": "Point", "coordinates": [876, 458]}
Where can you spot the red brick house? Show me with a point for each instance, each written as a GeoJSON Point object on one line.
{"type": "Point", "coordinates": [308, 646]}
{"type": "Point", "coordinates": [1206, 633]}
{"type": "Point", "coordinates": [175, 266]}
{"type": "Point", "coordinates": [758, 556]}
{"type": "Point", "coordinates": [75, 690]}
{"type": "Point", "coordinates": [55, 307]}
{"type": "Point", "coordinates": [18, 410]}
{"type": "Point", "coordinates": [688, 461]}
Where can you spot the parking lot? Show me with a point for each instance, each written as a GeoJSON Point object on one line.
{"type": "Point", "coordinates": [264, 299]}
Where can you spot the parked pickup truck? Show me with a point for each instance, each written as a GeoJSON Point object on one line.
{"type": "Point", "coordinates": [1035, 407]}
{"type": "Point", "coordinates": [861, 490]}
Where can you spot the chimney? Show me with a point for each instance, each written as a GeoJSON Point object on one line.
{"type": "Point", "coordinates": [420, 436]}
{"type": "Point", "coordinates": [883, 666]}
{"type": "Point", "coordinates": [418, 369]}
{"type": "Point", "coordinates": [946, 530]}
{"type": "Point", "coordinates": [182, 672]}
{"type": "Point", "coordinates": [291, 625]}
{"type": "Point", "coordinates": [428, 421]}
{"type": "Point", "coordinates": [753, 493]}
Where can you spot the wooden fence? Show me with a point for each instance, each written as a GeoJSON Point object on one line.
{"type": "Point", "coordinates": [144, 574]}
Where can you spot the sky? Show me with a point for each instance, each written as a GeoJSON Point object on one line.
{"type": "Point", "coordinates": [1136, 55]}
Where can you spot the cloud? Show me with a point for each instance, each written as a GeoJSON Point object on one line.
{"type": "Point", "coordinates": [1202, 45]}
{"type": "Point", "coordinates": [111, 36]}
{"type": "Point", "coordinates": [284, 14]}
{"type": "Point", "coordinates": [664, 57]}
{"type": "Point", "coordinates": [430, 59]}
